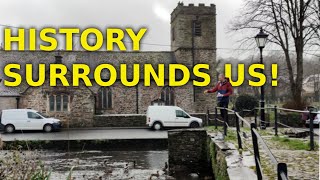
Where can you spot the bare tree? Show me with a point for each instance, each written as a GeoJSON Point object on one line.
{"type": "Point", "coordinates": [292, 25]}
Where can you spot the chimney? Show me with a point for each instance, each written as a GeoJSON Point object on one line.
{"type": "Point", "coordinates": [58, 59]}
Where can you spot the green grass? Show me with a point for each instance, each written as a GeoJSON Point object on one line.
{"type": "Point", "coordinates": [293, 144]}
{"type": "Point", "coordinates": [213, 129]}
{"type": "Point", "coordinates": [231, 134]}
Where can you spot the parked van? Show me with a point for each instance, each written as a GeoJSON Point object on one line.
{"type": "Point", "coordinates": [159, 117]}
{"type": "Point", "coordinates": [27, 119]}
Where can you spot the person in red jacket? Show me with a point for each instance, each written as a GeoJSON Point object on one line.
{"type": "Point", "coordinates": [224, 89]}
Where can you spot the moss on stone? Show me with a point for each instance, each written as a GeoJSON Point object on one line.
{"type": "Point", "coordinates": [219, 164]}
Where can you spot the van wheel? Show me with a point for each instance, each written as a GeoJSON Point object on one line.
{"type": "Point", "coordinates": [47, 128]}
{"type": "Point", "coordinates": [157, 126]}
{"type": "Point", "coordinates": [194, 125]}
{"type": "Point", "coordinates": [9, 128]}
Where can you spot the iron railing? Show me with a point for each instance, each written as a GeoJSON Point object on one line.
{"type": "Point", "coordinates": [256, 137]}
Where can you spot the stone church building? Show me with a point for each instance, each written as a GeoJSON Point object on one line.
{"type": "Point", "coordinates": [193, 41]}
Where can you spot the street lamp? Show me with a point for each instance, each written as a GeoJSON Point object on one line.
{"type": "Point", "coordinates": [261, 40]}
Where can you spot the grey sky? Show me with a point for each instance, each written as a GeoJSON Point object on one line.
{"type": "Point", "coordinates": [153, 14]}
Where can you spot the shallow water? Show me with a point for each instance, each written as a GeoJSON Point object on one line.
{"type": "Point", "coordinates": [106, 164]}
{"type": "Point", "coordinates": [87, 165]}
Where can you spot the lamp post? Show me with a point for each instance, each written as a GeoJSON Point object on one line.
{"type": "Point", "coordinates": [261, 40]}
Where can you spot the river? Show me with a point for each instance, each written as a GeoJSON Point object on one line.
{"type": "Point", "coordinates": [85, 165]}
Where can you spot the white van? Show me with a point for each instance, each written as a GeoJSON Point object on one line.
{"type": "Point", "coordinates": [159, 117]}
{"type": "Point", "coordinates": [27, 119]}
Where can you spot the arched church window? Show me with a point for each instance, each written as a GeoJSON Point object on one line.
{"type": "Point", "coordinates": [105, 98]}
{"type": "Point", "coordinates": [59, 102]}
{"type": "Point", "coordinates": [167, 95]}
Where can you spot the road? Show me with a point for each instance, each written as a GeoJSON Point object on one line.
{"type": "Point", "coordinates": [97, 134]}
{"type": "Point", "coordinates": [87, 134]}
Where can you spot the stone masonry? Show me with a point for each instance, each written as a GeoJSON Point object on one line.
{"type": "Point", "coordinates": [188, 151]}
{"type": "Point", "coordinates": [187, 48]}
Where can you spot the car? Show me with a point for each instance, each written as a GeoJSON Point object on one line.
{"type": "Point", "coordinates": [159, 117]}
{"type": "Point", "coordinates": [316, 120]}
{"type": "Point", "coordinates": [27, 119]}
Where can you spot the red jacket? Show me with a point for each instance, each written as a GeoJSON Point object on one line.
{"type": "Point", "coordinates": [223, 88]}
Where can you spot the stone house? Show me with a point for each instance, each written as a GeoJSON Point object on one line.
{"type": "Point", "coordinates": [9, 99]}
{"type": "Point", "coordinates": [193, 41]}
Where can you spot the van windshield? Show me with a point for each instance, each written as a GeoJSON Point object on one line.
{"type": "Point", "coordinates": [43, 115]}
{"type": "Point", "coordinates": [180, 113]}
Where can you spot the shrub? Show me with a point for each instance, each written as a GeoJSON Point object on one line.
{"type": "Point", "coordinates": [246, 102]}
{"type": "Point", "coordinates": [291, 119]}
{"type": "Point", "coordinates": [294, 105]}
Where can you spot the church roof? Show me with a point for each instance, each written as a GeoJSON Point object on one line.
{"type": "Point", "coordinates": [7, 92]}
{"type": "Point", "coordinates": [92, 59]}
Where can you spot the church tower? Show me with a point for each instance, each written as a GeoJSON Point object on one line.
{"type": "Point", "coordinates": [193, 41]}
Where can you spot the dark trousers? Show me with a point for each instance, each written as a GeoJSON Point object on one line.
{"type": "Point", "coordinates": [223, 112]}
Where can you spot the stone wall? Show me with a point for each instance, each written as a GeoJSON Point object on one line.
{"type": "Point", "coordinates": [8, 103]}
{"type": "Point", "coordinates": [190, 50]}
{"type": "Point", "coordinates": [123, 100]}
{"type": "Point", "coordinates": [139, 120]}
{"type": "Point", "coordinates": [188, 151]}
{"type": "Point", "coordinates": [127, 100]}
{"type": "Point", "coordinates": [195, 151]}
{"type": "Point", "coordinates": [81, 103]}
{"type": "Point", "coordinates": [226, 161]}
{"type": "Point", "coordinates": [130, 120]}
{"type": "Point", "coordinates": [181, 24]}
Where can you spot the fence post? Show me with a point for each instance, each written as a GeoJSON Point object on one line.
{"type": "Point", "coordinates": [282, 167]}
{"type": "Point", "coordinates": [238, 130]}
{"type": "Point", "coordinates": [216, 117]}
{"type": "Point", "coordinates": [255, 116]}
{"type": "Point", "coordinates": [256, 151]}
{"type": "Point", "coordinates": [242, 114]}
{"type": "Point", "coordinates": [225, 117]}
{"type": "Point", "coordinates": [276, 120]}
{"type": "Point", "coordinates": [311, 131]}
{"type": "Point", "coordinates": [207, 118]}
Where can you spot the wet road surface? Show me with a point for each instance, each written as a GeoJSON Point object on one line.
{"type": "Point", "coordinates": [86, 134]}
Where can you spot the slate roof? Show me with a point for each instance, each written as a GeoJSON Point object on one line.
{"type": "Point", "coordinates": [7, 92]}
{"type": "Point", "coordinates": [93, 59]}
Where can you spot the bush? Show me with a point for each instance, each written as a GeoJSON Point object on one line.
{"type": "Point", "coordinates": [246, 102]}
{"type": "Point", "coordinates": [294, 105]}
{"type": "Point", "coordinates": [291, 119]}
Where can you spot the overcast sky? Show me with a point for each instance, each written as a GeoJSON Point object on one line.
{"type": "Point", "coordinates": [153, 14]}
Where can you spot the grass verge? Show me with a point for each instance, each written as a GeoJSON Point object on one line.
{"type": "Point", "coordinates": [293, 144]}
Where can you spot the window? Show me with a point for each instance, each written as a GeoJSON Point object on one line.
{"type": "Point", "coordinates": [180, 113]}
{"type": "Point", "coordinates": [59, 102]}
{"type": "Point", "coordinates": [105, 98]}
{"type": "Point", "coordinates": [167, 95]}
{"type": "Point", "coordinates": [65, 103]}
{"type": "Point", "coordinates": [197, 28]}
{"type": "Point", "coordinates": [32, 115]}
{"type": "Point", "coordinates": [51, 103]}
